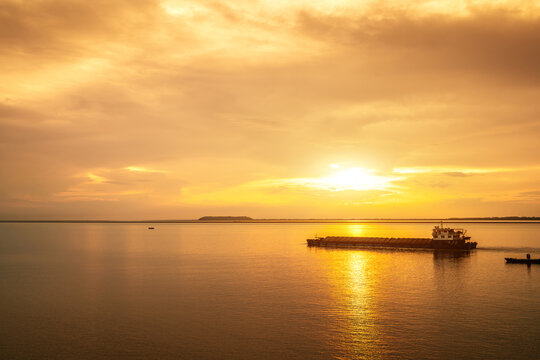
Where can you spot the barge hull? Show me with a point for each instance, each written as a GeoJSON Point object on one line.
{"type": "Point", "coordinates": [407, 243]}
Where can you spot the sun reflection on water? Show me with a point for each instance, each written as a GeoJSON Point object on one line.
{"type": "Point", "coordinates": [352, 276]}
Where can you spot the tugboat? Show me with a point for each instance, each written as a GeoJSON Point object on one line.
{"type": "Point", "coordinates": [442, 239]}
{"type": "Point", "coordinates": [448, 238]}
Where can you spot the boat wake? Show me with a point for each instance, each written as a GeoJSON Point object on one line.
{"type": "Point", "coordinates": [510, 249]}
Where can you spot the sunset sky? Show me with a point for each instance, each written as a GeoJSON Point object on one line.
{"type": "Point", "coordinates": [176, 109]}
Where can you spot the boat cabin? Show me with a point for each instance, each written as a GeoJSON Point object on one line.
{"type": "Point", "coordinates": [442, 233]}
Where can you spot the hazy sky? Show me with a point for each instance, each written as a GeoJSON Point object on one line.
{"type": "Point", "coordinates": [177, 109]}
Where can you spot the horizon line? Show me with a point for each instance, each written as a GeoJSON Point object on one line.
{"type": "Point", "coordinates": [283, 220]}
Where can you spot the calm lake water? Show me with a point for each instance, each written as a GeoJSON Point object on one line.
{"type": "Point", "coordinates": [256, 291]}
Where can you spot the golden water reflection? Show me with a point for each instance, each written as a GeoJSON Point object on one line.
{"type": "Point", "coordinates": [352, 277]}
{"type": "Point", "coordinates": [369, 292]}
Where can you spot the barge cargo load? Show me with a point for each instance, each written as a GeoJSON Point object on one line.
{"type": "Point", "coordinates": [443, 239]}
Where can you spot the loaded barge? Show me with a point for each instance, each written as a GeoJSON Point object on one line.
{"type": "Point", "coordinates": [443, 239]}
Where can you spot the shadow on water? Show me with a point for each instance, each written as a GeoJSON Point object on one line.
{"type": "Point", "coordinates": [517, 266]}
{"type": "Point", "coordinates": [456, 260]}
{"type": "Point", "coordinates": [440, 257]}
{"type": "Point", "coordinates": [450, 255]}
{"type": "Point", "coordinates": [437, 254]}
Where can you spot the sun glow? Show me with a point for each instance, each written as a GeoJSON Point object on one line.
{"type": "Point", "coordinates": [352, 179]}
{"type": "Point", "coordinates": [358, 179]}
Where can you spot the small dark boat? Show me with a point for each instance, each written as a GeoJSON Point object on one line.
{"type": "Point", "coordinates": [527, 261]}
{"type": "Point", "coordinates": [150, 228]}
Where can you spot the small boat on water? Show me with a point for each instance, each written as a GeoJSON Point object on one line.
{"type": "Point", "coordinates": [150, 228]}
{"type": "Point", "coordinates": [527, 261]}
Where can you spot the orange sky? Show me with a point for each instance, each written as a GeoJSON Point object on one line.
{"type": "Point", "coordinates": [273, 109]}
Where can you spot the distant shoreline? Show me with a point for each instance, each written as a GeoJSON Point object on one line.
{"type": "Point", "coordinates": [290, 221]}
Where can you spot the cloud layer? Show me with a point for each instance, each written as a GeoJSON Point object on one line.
{"type": "Point", "coordinates": [241, 108]}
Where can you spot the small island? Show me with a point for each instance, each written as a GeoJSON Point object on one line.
{"type": "Point", "coordinates": [224, 218]}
